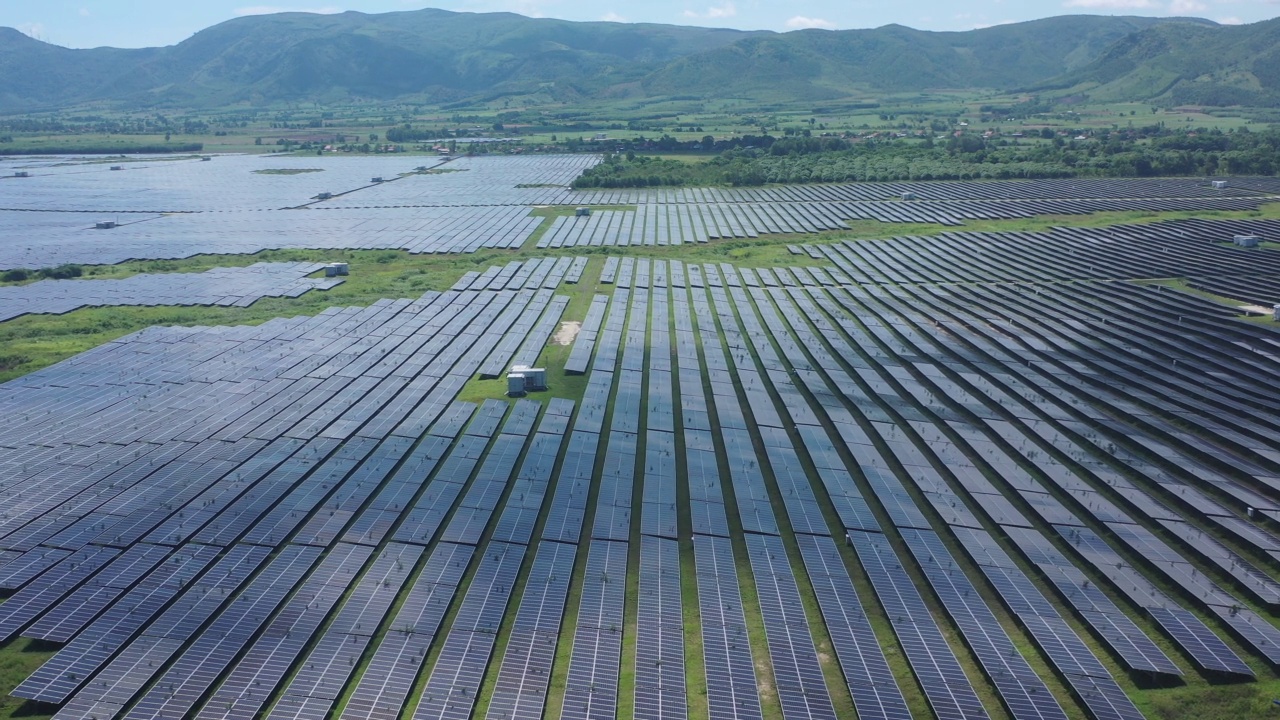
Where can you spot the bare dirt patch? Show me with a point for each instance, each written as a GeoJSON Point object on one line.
{"type": "Point", "coordinates": [567, 332]}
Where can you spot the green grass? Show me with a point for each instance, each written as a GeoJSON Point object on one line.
{"type": "Point", "coordinates": [1211, 702]}
{"type": "Point", "coordinates": [19, 659]}
{"type": "Point", "coordinates": [1183, 286]}
{"type": "Point", "coordinates": [555, 211]}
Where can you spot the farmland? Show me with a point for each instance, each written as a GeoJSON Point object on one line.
{"type": "Point", "coordinates": [980, 449]}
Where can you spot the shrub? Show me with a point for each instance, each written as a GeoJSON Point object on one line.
{"type": "Point", "coordinates": [62, 272]}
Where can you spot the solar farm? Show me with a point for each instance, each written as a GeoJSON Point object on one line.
{"type": "Point", "coordinates": [958, 475]}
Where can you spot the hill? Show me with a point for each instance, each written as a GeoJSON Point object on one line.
{"type": "Point", "coordinates": [426, 54]}
{"type": "Point", "coordinates": [816, 63]}
{"type": "Point", "coordinates": [438, 56]}
{"type": "Point", "coordinates": [1185, 64]}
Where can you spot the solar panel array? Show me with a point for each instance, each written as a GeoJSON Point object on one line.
{"type": "Point", "coordinates": [1108, 564]}
{"type": "Point", "coordinates": [661, 225]}
{"type": "Point", "coordinates": [55, 238]}
{"type": "Point", "coordinates": [299, 452]}
{"type": "Point", "coordinates": [433, 508]}
{"type": "Point", "coordinates": [975, 451]}
{"type": "Point", "coordinates": [940, 191]}
{"type": "Point", "coordinates": [1180, 248]}
{"type": "Point", "coordinates": [231, 287]}
{"type": "Point", "coordinates": [245, 204]}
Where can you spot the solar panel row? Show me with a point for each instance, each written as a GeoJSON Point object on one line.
{"type": "Point", "coordinates": [797, 674]}
{"type": "Point", "coordinates": [333, 434]}
{"type": "Point", "coordinates": [267, 661]}
{"type": "Point", "coordinates": [1104, 558]}
{"type": "Point", "coordinates": [323, 671]}
{"type": "Point", "coordinates": [311, 484]}
{"type": "Point", "coordinates": [901, 502]}
{"type": "Point", "coordinates": [233, 287]}
{"type": "Point", "coordinates": [867, 669]}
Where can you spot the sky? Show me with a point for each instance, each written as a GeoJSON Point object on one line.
{"type": "Point", "coordinates": [145, 23]}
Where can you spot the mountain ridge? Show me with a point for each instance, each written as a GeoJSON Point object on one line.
{"type": "Point", "coordinates": [439, 56]}
{"type": "Point", "coordinates": [1186, 65]}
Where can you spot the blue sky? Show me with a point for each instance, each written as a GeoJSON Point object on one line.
{"type": "Point", "coordinates": [140, 23]}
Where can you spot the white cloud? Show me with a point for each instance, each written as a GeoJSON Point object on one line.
{"type": "Point", "coordinates": [84, 12]}
{"type": "Point", "coordinates": [801, 22]}
{"type": "Point", "coordinates": [1110, 4]}
{"type": "Point", "coordinates": [1231, 21]}
{"type": "Point", "coordinates": [612, 17]}
{"type": "Point", "coordinates": [1186, 7]}
{"type": "Point", "coordinates": [715, 12]}
{"type": "Point", "coordinates": [273, 9]}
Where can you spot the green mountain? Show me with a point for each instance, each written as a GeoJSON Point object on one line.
{"type": "Point", "coordinates": [34, 74]}
{"type": "Point", "coordinates": [439, 56]}
{"type": "Point", "coordinates": [1186, 64]}
{"type": "Point", "coordinates": [823, 64]}
{"type": "Point", "coordinates": [425, 54]}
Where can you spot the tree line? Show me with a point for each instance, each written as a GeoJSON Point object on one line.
{"type": "Point", "coordinates": [1147, 152]}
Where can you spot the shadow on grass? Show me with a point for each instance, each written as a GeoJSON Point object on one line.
{"type": "Point", "coordinates": [33, 708]}
{"type": "Point", "coordinates": [42, 646]}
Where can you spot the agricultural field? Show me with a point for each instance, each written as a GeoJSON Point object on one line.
{"type": "Point", "coordinates": [879, 450]}
{"type": "Point", "coordinates": [534, 122]}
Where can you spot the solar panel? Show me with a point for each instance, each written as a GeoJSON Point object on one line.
{"type": "Point", "coordinates": [660, 675]}
{"type": "Point", "coordinates": [342, 432]}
